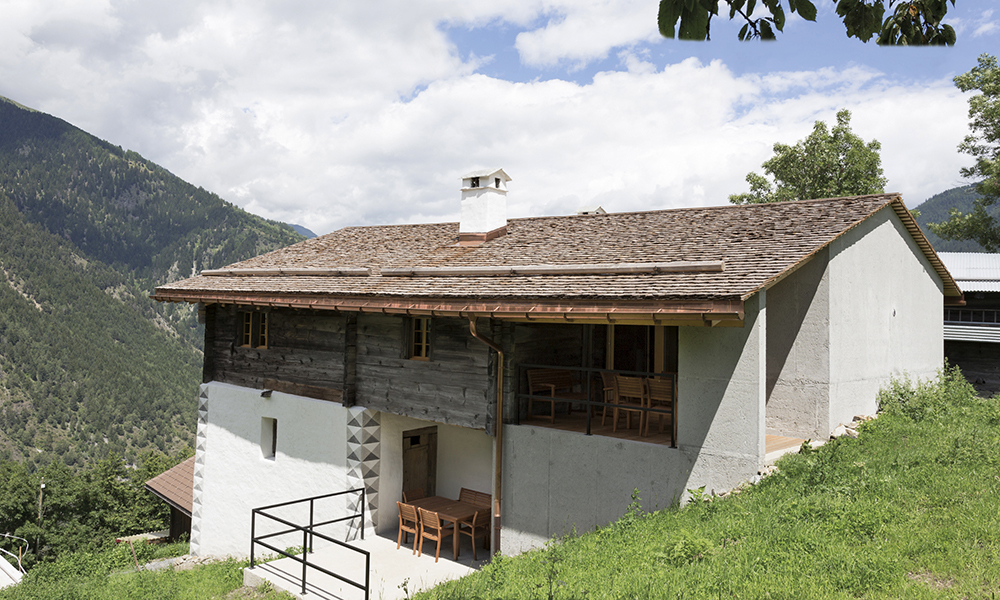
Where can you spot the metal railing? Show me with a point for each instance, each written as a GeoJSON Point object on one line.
{"type": "Point", "coordinates": [972, 316]}
{"type": "Point", "coordinates": [591, 383]}
{"type": "Point", "coordinates": [308, 533]}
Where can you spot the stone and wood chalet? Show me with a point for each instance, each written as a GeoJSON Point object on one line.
{"type": "Point", "coordinates": [402, 356]}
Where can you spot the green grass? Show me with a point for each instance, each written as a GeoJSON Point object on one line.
{"type": "Point", "coordinates": [111, 575]}
{"type": "Point", "coordinates": [910, 509]}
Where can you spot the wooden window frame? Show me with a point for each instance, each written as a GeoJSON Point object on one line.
{"type": "Point", "coordinates": [419, 340]}
{"type": "Point", "coordinates": [254, 329]}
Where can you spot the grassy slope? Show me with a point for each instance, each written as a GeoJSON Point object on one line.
{"type": "Point", "coordinates": [910, 509]}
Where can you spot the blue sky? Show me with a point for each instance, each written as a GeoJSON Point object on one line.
{"type": "Point", "coordinates": [338, 112]}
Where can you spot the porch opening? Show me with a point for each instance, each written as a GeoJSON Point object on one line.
{"type": "Point", "coordinates": [614, 380]}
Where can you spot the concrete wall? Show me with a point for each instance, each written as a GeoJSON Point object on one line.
{"type": "Point", "coordinates": [464, 459]}
{"type": "Point", "coordinates": [310, 460]}
{"type": "Point", "coordinates": [798, 352]}
{"type": "Point", "coordinates": [555, 482]}
{"type": "Point", "coordinates": [886, 303]}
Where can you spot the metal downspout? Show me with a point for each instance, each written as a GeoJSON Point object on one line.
{"type": "Point", "coordinates": [498, 468]}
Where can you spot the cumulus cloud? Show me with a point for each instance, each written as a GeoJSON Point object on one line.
{"type": "Point", "coordinates": [342, 113]}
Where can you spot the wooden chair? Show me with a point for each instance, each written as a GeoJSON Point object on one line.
{"type": "Point", "coordinates": [431, 528]}
{"type": "Point", "coordinates": [475, 498]}
{"type": "Point", "coordinates": [557, 383]}
{"type": "Point", "coordinates": [630, 397]}
{"type": "Point", "coordinates": [479, 524]}
{"type": "Point", "coordinates": [608, 383]}
{"type": "Point", "coordinates": [660, 395]}
{"type": "Point", "coordinates": [414, 494]}
{"type": "Point", "coordinates": [408, 523]}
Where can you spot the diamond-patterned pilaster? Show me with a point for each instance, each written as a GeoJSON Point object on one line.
{"type": "Point", "coordinates": [364, 434]}
{"type": "Point", "coordinates": [199, 469]}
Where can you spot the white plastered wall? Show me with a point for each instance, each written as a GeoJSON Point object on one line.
{"type": "Point", "coordinates": [464, 459]}
{"type": "Point", "coordinates": [556, 482]}
{"type": "Point", "coordinates": [310, 461]}
{"type": "Point", "coordinates": [886, 303]}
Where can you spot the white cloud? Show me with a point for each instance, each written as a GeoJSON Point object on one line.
{"type": "Point", "coordinates": [341, 113]}
{"type": "Point", "coordinates": [581, 32]}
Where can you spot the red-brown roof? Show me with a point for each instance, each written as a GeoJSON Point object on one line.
{"type": "Point", "coordinates": [757, 244]}
{"type": "Point", "coordinates": [175, 486]}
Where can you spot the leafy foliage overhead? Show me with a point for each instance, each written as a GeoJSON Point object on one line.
{"type": "Point", "coordinates": [827, 164]}
{"type": "Point", "coordinates": [913, 23]}
{"type": "Point", "coordinates": [983, 144]}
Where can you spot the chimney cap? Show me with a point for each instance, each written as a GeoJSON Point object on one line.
{"type": "Point", "coordinates": [487, 173]}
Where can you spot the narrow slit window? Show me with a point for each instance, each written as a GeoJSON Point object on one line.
{"type": "Point", "coordinates": [420, 348]}
{"type": "Point", "coordinates": [269, 437]}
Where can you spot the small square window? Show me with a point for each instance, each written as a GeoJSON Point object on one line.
{"type": "Point", "coordinates": [420, 338]}
{"type": "Point", "coordinates": [253, 330]}
{"type": "Point", "coordinates": [475, 182]}
{"type": "Point", "coordinates": [497, 182]}
{"type": "Point", "coordinates": [268, 437]}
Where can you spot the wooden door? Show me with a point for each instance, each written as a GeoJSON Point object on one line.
{"type": "Point", "coordinates": [420, 460]}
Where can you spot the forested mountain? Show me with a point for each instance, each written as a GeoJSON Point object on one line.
{"type": "Point", "coordinates": [89, 365]}
{"type": "Point", "coordinates": [935, 210]}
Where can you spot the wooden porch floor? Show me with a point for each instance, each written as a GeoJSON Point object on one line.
{"type": "Point", "coordinates": [577, 421]}
{"type": "Point", "coordinates": [775, 445]}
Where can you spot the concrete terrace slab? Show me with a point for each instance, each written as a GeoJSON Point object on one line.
{"type": "Point", "coordinates": [389, 569]}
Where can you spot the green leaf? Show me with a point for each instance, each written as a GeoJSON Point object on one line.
{"type": "Point", "coordinates": [666, 20]}
{"type": "Point", "coordinates": [806, 9]}
{"type": "Point", "coordinates": [766, 33]}
{"type": "Point", "coordinates": [743, 32]}
{"type": "Point", "coordinates": [694, 24]}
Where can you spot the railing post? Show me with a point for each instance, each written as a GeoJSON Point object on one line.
{"type": "Point", "coordinates": [363, 515]}
{"type": "Point", "coordinates": [312, 504]}
{"type": "Point", "coordinates": [368, 571]}
{"type": "Point", "coordinates": [253, 535]}
{"type": "Point", "coordinates": [305, 560]}
{"type": "Point", "coordinates": [589, 382]}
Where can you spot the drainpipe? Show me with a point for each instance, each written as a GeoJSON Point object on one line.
{"type": "Point", "coordinates": [499, 431]}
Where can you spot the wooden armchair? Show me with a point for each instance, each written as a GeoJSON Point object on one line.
{"type": "Point", "coordinates": [432, 529]}
{"type": "Point", "coordinates": [479, 524]}
{"type": "Point", "coordinates": [660, 393]}
{"type": "Point", "coordinates": [630, 397]}
{"type": "Point", "coordinates": [408, 523]}
{"type": "Point", "coordinates": [557, 383]}
{"type": "Point", "coordinates": [414, 494]}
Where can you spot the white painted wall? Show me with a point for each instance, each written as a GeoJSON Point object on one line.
{"type": "Point", "coordinates": [310, 460]}
{"type": "Point", "coordinates": [465, 459]}
{"type": "Point", "coordinates": [483, 209]}
{"type": "Point", "coordinates": [886, 303]}
{"type": "Point", "coordinates": [555, 482]}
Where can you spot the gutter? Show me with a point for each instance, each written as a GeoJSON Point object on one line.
{"type": "Point", "coordinates": [498, 459]}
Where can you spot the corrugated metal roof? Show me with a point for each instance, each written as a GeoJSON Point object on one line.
{"type": "Point", "coordinates": [972, 267]}
{"type": "Point", "coordinates": [979, 286]}
{"type": "Point", "coordinates": [972, 333]}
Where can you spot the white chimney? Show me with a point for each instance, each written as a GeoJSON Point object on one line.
{"type": "Point", "coordinates": [484, 206]}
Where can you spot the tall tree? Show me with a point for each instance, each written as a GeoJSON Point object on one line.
{"type": "Point", "coordinates": [909, 23]}
{"type": "Point", "coordinates": [827, 164]}
{"type": "Point", "coordinates": [983, 144]}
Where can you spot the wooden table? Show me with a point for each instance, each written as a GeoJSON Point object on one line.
{"type": "Point", "coordinates": [449, 510]}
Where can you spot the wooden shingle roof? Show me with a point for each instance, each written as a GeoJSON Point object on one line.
{"type": "Point", "coordinates": [755, 244]}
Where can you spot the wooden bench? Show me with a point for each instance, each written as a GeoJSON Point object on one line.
{"type": "Point", "coordinates": [556, 383]}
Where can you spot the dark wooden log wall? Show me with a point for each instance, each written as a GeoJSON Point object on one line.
{"type": "Point", "coordinates": [305, 353]}
{"type": "Point", "coordinates": [453, 387]}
